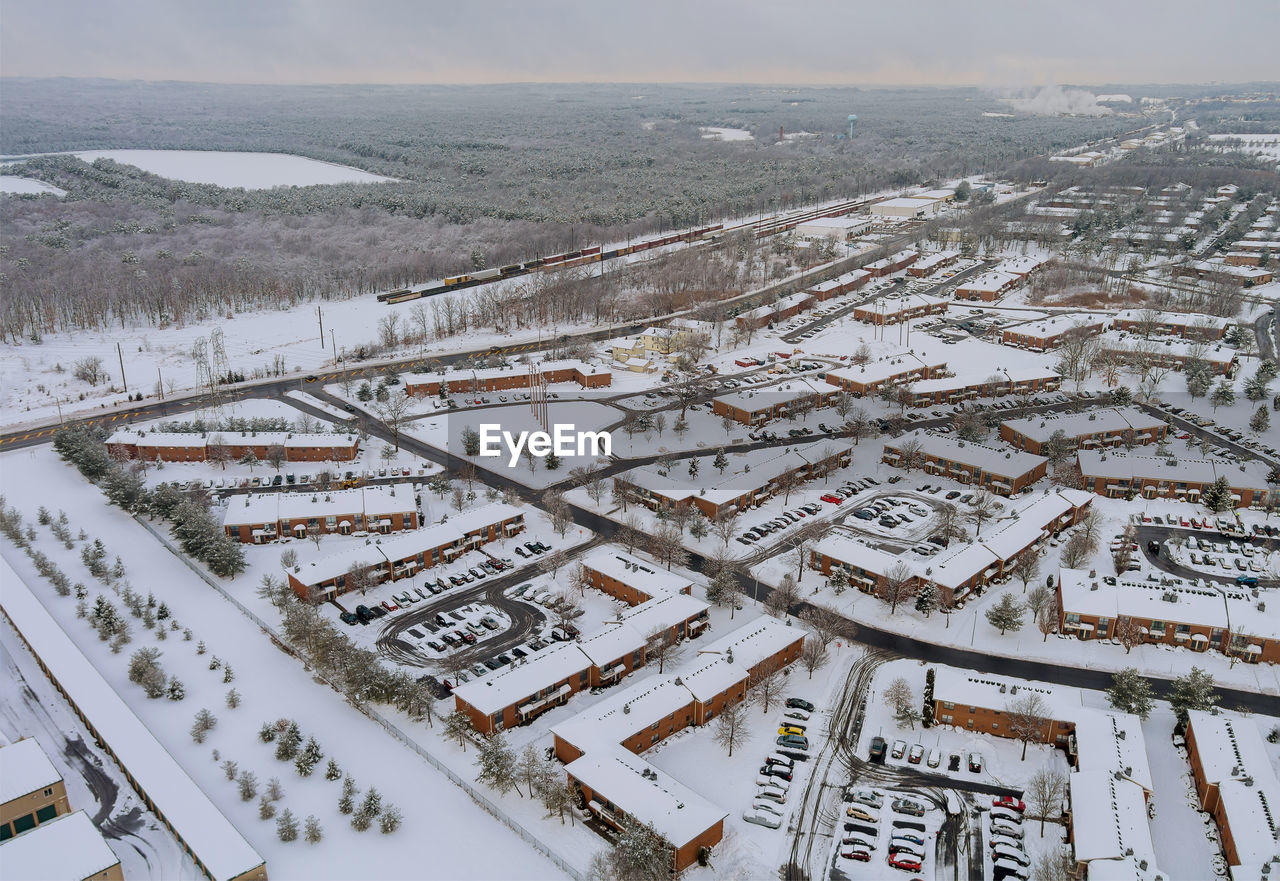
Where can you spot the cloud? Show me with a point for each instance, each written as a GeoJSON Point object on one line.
{"type": "Point", "coordinates": [1055, 100]}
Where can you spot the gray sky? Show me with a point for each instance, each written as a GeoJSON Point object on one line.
{"type": "Point", "coordinates": [986, 42]}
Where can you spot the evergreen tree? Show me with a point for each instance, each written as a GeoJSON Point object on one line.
{"type": "Point", "coordinates": [390, 820]}
{"type": "Point", "coordinates": [927, 599]}
{"type": "Point", "coordinates": [1217, 495]}
{"type": "Point", "coordinates": [233, 699]}
{"type": "Point", "coordinates": [230, 768]}
{"type": "Point", "coordinates": [288, 743]}
{"type": "Point", "coordinates": [551, 462]}
{"type": "Point", "coordinates": [308, 759]}
{"type": "Point", "coordinates": [1198, 384]}
{"type": "Point", "coordinates": [1261, 421]}
{"type": "Point", "coordinates": [1131, 693]}
{"type": "Point", "coordinates": [287, 826]}
{"type": "Point", "coordinates": [332, 772]}
{"type": "Point", "coordinates": [1006, 614]}
{"type": "Point", "coordinates": [1224, 395]}
{"type": "Point", "coordinates": [312, 830]}
{"type": "Point", "coordinates": [1255, 389]}
{"type": "Point", "coordinates": [1192, 692]}
{"type": "Point", "coordinates": [267, 732]}
{"type": "Point", "coordinates": [346, 801]}
{"type": "Point", "coordinates": [497, 761]}
{"type": "Point", "coordinates": [370, 808]}
{"type": "Point", "coordinates": [176, 691]}
{"type": "Point", "coordinates": [248, 783]}
{"type": "Point", "coordinates": [266, 808]}
{"type": "Point", "coordinates": [721, 461]}
{"type": "Point", "coordinates": [204, 723]}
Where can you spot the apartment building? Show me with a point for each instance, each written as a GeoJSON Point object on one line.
{"type": "Point", "coordinates": [759, 406]}
{"type": "Point", "coordinates": [1188, 325]}
{"type": "Point", "coordinates": [31, 789]}
{"type": "Point", "coordinates": [984, 384]}
{"type": "Point", "coordinates": [1049, 333]}
{"type": "Point", "coordinates": [515, 376]}
{"type": "Point", "coordinates": [899, 369]}
{"type": "Point", "coordinates": [930, 264]}
{"type": "Point", "coordinates": [256, 518]}
{"type": "Point", "coordinates": [1112, 427]}
{"type": "Point", "coordinates": [1120, 476]}
{"type": "Point", "coordinates": [160, 446]}
{"type": "Point", "coordinates": [898, 309]}
{"type": "Point", "coordinates": [784, 308]}
{"type": "Point", "coordinates": [843, 284]}
{"type": "Point", "coordinates": [893, 263]}
{"type": "Point", "coordinates": [1004, 472]}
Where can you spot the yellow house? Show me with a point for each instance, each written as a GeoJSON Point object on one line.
{"type": "Point", "coordinates": [653, 343]}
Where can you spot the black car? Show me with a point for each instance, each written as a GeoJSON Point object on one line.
{"type": "Point", "coordinates": [954, 494]}
{"type": "Point", "coordinates": [1153, 547]}
{"type": "Point", "coordinates": [870, 831]}
{"type": "Point", "coordinates": [521, 552]}
{"type": "Point", "coordinates": [348, 618]}
{"type": "Point", "coordinates": [492, 664]}
{"type": "Point", "coordinates": [795, 703]}
{"type": "Point", "coordinates": [877, 750]}
{"type": "Point", "coordinates": [364, 614]}
{"type": "Point", "coordinates": [519, 652]}
{"type": "Point", "coordinates": [504, 659]}
{"type": "Point", "coordinates": [953, 764]}
{"type": "Point", "coordinates": [532, 548]}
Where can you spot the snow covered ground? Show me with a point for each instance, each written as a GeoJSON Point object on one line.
{"type": "Point", "coordinates": [250, 171]}
{"type": "Point", "coordinates": [718, 133]}
{"type": "Point", "coordinates": [272, 686]}
{"type": "Point", "coordinates": [12, 183]}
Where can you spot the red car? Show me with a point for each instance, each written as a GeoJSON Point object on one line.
{"type": "Point", "coordinates": [1008, 801]}
{"type": "Point", "coordinates": [390, 606]}
{"type": "Point", "coordinates": [860, 855]}
{"type": "Point", "coordinates": [905, 861]}
{"type": "Point", "coordinates": [834, 500]}
{"type": "Point", "coordinates": [1182, 521]}
{"type": "Point", "coordinates": [468, 638]}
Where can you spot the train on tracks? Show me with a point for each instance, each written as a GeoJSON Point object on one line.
{"type": "Point", "coordinates": [542, 264]}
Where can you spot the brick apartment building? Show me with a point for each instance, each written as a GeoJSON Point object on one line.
{"type": "Point", "coordinates": [1120, 476]}
{"type": "Point", "coordinates": [1112, 427]}
{"type": "Point", "coordinates": [1005, 472]}
{"type": "Point", "coordinates": [258, 518]}
{"type": "Point", "coordinates": [496, 379]}
{"type": "Point", "coordinates": [199, 447]}
{"type": "Point", "coordinates": [899, 369]}
{"type": "Point", "coordinates": [899, 309]}
{"type": "Point", "coordinates": [985, 384]}
{"type": "Point", "coordinates": [850, 281]}
{"type": "Point", "coordinates": [926, 266]}
{"type": "Point", "coordinates": [759, 406]}
{"type": "Point", "coordinates": [1188, 325]}
{"type": "Point", "coordinates": [1049, 333]}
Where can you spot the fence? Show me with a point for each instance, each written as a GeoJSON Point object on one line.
{"type": "Point", "coordinates": [390, 727]}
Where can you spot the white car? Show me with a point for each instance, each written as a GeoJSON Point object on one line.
{"type": "Point", "coordinates": [760, 818]}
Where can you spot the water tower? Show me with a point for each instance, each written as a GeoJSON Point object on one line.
{"type": "Point", "coordinates": [853, 117]}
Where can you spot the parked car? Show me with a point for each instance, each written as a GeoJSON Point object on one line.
{"type": "Point", "coordinates": [792, 741]}
{"type": "Point", "coordinates": [905, 861]}
{"type": "Point", "coordinates": [899, 749]}
{"type": "Point", "coordinates": [877, 750]}
{"type": "Point", "coordinates": [1006, 829]}
{"type": "Point", "coordinates": [908, 807]}
{"type": "Point", "coordinates": [1009, 802]}
{"type": "Point", "coordinates": [975, 763]}
{"type": "Point", "coordinates": [1004, 815]}
{"type": "Point", "coordinates": [854, 853]}
{"type": "Point", "coordinates": [760, 818]}
{"type": "Point", "coordinates": [796, 703]}
{"type": "Point", "coordinates": [862, 812]}
{"type": "Point", "coordinates": [771, 770]}
{"type": "Point", "coordinates": [869, 797]}
{"type": "Point", "coordinates": [916, 754]}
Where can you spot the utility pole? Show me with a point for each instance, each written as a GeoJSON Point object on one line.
{"type": "Point", "coordinates": [159, 384]}
{"type": "Point", "coordinates": [333, 339]}
{"type": "Point", "coordinates": [58, 403]}
{"type": "Point", "coordinates": [120, 355]}
{"type": "Point", "coordinates": [320, 315]}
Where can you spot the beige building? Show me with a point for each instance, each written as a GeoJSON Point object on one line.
{"type": "Point", "coordinates": [31, 789]}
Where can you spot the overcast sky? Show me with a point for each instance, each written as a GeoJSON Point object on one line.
{"type": "Point", "coordinates": [986, 42]}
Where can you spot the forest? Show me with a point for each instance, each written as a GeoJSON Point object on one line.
{"type": "Point", "coordinates": [484, 176]}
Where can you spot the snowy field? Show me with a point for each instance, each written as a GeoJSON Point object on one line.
{"type": "Point", "coordinates": [271, 686]}
{"type": "Point", "coordinates": [11, 183]}
{"type": "Point", "coordinates": [1262, 146]}
{"type": "Point", "coordinates": [250, 171]}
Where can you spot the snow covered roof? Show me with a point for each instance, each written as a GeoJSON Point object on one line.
{"type": "Point", "coordinates": [626, 711]}
{"type": "Point", "coordinates": [1112, 742]}
{"type": "Point", "coordinates": [1109, 826]}
{"type": "Point", "coordinates": [206, 832]}
{"type": "Point", "coordinates": [836, 222]}
{"type": "Point", "coordinates": [1229, 746]}
{"type": "Point", "coordinates": [1022, 265]}
{"type": "Point", "coordinates": [886, 368]}
{"type": "Point", "coordinates": [647, 794]}
{"type": "Point", "coordinates": [484, 373]}
{"type": "Point", "coordinates": [885, 262]}
{"type": "Point", "coordinates": [271, 507]}
{"type": "Point", "coordinates": [966, 687]}
{"type": "Point", "coordinates": [634, 572]}
{"type": "Point", "coordinates": [903, 202]}
{"type": "Point", "coordinates": [773, 396]}
{"type": "Point", "coordinates": [1014, 534]}
{"type": "Point", "coordinates": [663, 612]}
{"type": "Point", "coordinates": [1240, 475]}
{"type": "Point", "coordinates": [849, 277]}
{"type": "Point", "coordinates": [1041, 428]}
{"type": "Point", "coordinates": [992, 280]}
{"type": "Point", "coordinates": [935, 259]}
{"type": "Point", "coordinates": [231, 438]}
{"type": "Point", "coordinates": [982, 377]}
{"type": "Point", "coordinates": [728, 660]}
{"type": "Point", "coordinates": [1252, 807]}
{"type": "Point", "coordinates": [1177, 319]}
{"type": "Point", "coordinates": [993, 460]}
{"type": "Point", "coordinates": [613, 642]}
{"type": "Point", "coordinates": [66, 848]}
{"type": "Point", "coordinates": [24, 768]}
{"type": "Point", "coordinates": [406, 544]}
{"type": "Point", "coordinates": [958, 563]}
{"type": "Point", "coordinates": [519, 681]}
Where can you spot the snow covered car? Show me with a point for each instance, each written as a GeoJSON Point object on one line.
{"type": "Point", "coordinates": [863, 813]}
{"type": "Point", "coordinates": [899, 749]}
{"type": "Point", "coordinates": [1009, 802]}
{"type": "Point", "coordinates": [916, 754]}
{"type": "Point", "coordinates": [760, 818]}
{"type": "Point", "coordinates": [908, 807]}
{"type": "Point", "coordinates": [869, 797]}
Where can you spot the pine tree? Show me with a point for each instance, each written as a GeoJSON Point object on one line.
{"type": "Point", "coordinates": [177, 691]}
{"type": "Point", "coordinates": [1261, 421]}
{"type": "Point", "coordinates": [308, 758]}
{"type": "Point", "coordinates": [927, 599]}
{"type": "Point", "coordinates": [275, 791]}
{"type": "Point", "coordinates": [497, 761]}
{"type": "Point", "coordinates": [1131, 693]}
{"type": "Point", "coordinates": [332, 772]}
{"type": "Point", "coordinates": [266, 808]}
{"type": "Point", "coordinates": [346, 802]}
{"type": "Point", "coordinates": [390, 820]}
{"type": "Point", "coordinates": [312, 830]}
{"type": "Point", "coordinates": [287, 826]}
{"type": "Point", "coordinates": [230, 768]}
{"type": "Point", "coordinates": [204, 723]}
{"type": "Point", "coordinates": [200, 649]}
{"type": "Point", "coordinates": [248, 783]}
{"type": "Point", "coordinates": [288, 743]}
{"type": "Point", "coordinates": [369, 809]}
{"type": "Point", "coordinates": [1217, 495]}
{"type": "Point", "coordinates": [267, 732]}
{"type": "Point", "coordinates": [1224, 395]}
{"type": "Point", "coordinates": [227, 675]}
{"type": "Point", "coordinates": [458, 724]}
{"type": "Point", "coordinates": [1006, 614]}
{"type": "Point", "coordinates": [233, 699]}
{"type": "Point", "coordinates": [721, 461]}
{"type": "Point", "coordinates": [1192, 692]}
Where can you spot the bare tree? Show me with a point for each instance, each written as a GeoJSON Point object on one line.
{"type": "Point", "coordinates": [360, 576]}
{"type": "Point", "coordinates": [731, 729]}
{"type": "Point", "coordinates": [1027, 567]}
{"type": "Point", "coordinates": [1129, 632]}
{"type": "Point", "coordinates": [911, 451]}
{"type": "Point", "coordinates": [981, 509]}
{"type": "Point", "coordinates": [1027, 719]}
{"type": "Point", "coordinates": [275, 456]}
{"type": "Point", "coordinates": [949, 528]}
{"type": "Point", "coordinates": [1044, 793]}
{"type": "Point", "coordinates": [765, 684]}
{"type": "Point", "coordinates": [315, 533]}
{"type": "Point", "coordinates": [394, 411]}
{"type": "Point", "coordinates": [900, 584]}
{"type": "Point", "coordinates": [724, 524]}
{"type": "Point", "coordinates": [783, 597]}
{"type": "Point", "coordinates": [815, 655]}
{"type": "Point", "coordinates": [825, 622]}
{"type": "Point", "coordinates": [899, 697]}
{"type": "Point", "coordinates": [578, 579]}
{"type": "Point", "coordinates": [90, 370]}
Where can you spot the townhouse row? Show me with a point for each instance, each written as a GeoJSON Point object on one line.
{"type": "Point", "coordinates": [399, 556]}
{"type": "Point", "coordinates": [752, 479]}
{"type": "Point", "coordinates": [758, 406]}
{"type": "Point", "coordinates": [496, 379]}
{"type": "Point", "coordinates": [1002, 471]}
{"type": "Point", "coordinates": [1112, 427]}
{"type": "Point", "coordinates": [1232, 621]}
{"type": "Point", "coordinates": [964, 566]}
{"type": "Point", "coordinates": [1123, 476]}
{"type": "Point", "coordinates": [173, 446]}
{"type": "Point", "coordinates": [257, 518]}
